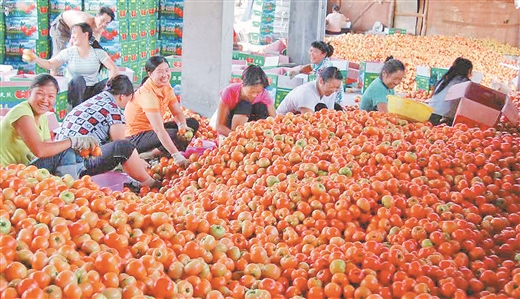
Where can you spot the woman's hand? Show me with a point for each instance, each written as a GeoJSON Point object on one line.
{"type": "Point", "coordinates": [180, 160]}
{"type": "Point", "coordinates": [83, 142]}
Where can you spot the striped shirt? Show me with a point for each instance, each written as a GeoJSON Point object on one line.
{"type": "Point", "coordinates": [88, 67]}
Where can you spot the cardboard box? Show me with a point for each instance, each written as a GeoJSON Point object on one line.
{"type": "Point", "coordinates": [260, 38]}
{"type": "Point", "coordinates": [58, 6]}
{"type": "Point", "coordinates": [426, 78]}
{"type": "Point", "coordinates": [263, 17]}
{"type": "Point", "coordinates": [368, 72]}
{"type": "Point", "coordinates": [112, 33]}
{"type": "Point", "coordinates": [27, 27]}
{"type": "Point", "coordinates": [133, 29]}
{"type": "Point", "coordinates": [129, 52]}
{"type": "Point", "coordinates": [15, 47]}
{"type": "Point", "coordinates": [264, 5]}
{"type": "Point", "coordinates": [114, 51]}
{"type": "Point", "coordinates": [263, 28]}
{"type": "Point", "coordinates": [143, 52]}
{"type": "Point", "coordinates": [119, 7]}
{"type": "Point", "coordinates": [170, 28]}
{"type": "Point", "coordinates": [171, 47]}
{"type": "Point", "coordinates": [284, 84]}
{"type": "Point", "coordinates": [395, 31]}
{"type": "Point", "coordinates": [173, 9]}
{"type": "Point", "coordinates": [26, 8]}
{"type": "Point", "coordinates": [480, 106]}
{"type": "Point", "coordinates": [264, 60]}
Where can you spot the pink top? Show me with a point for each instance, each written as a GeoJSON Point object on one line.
{"type": "Point", "coordinates": [231, 96]}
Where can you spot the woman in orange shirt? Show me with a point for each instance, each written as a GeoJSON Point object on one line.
{"type": "Point", "coordinates": [145, 126]}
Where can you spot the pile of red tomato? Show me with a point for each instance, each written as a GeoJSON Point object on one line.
{"type": "Point", "coordinates": [331, 204]}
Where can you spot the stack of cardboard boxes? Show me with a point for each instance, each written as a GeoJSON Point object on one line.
{"type": "Point", "coordinates": [171, 20]}
{"type": "Point", "coordinates": [263, 18]}
{"type": "Point", "coordinates": [26, 27]}
{"type": "Point", "coordinates": [132, 37]}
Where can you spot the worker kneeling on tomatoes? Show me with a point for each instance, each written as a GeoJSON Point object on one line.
{"type": "Point", "coordinates": [102, 118]}
{"type": "Point", "coordinates": [145, 126]}
{"type": "Point", "coordinates": [245, 101]}
{"type": "Point", "coordinates": [25, 134]}
{"type": "Point", "coordinates": [315, 95]}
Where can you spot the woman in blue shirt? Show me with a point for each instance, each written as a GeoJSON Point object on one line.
{"type": "Point", "coordinates": [444, 111]}
{"type": "Point", "coordinates": [374, 98]}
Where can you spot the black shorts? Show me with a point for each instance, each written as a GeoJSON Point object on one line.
{"type": "Point", "coordinates": [252, 111]}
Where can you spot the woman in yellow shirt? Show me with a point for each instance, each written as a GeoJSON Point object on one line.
{"type": "Point", "coordinates": [24, 131]}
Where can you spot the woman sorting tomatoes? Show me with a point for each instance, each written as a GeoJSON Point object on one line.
{"type": "Point", "coordinates": [145, 126]}
{"type": "Point", "coordinates": [315, 95]}
{"type": "Point", "coordinates": [102, 117]}
{"type": "Point", "coordinates": [25, 134]}
{"type": "Point", "coordinates": [245, 101]}
{"type": "Point", "coordinates": [374, 98]}
{"type": "Point", "coordinates": [84, 59]}
{"type": "Point", "coordinates": [444, 111]}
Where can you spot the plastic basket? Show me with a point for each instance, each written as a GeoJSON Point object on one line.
{"type": "Point", "coordinates": [409, 109]}
{"type": "Point", "coordinates": [206, 144]}
{"type": "Point", "coordinates": [112, 179]}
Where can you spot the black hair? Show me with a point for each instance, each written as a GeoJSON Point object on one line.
{"type": "Point", "coordinates": [461, 67]}
{"type": "Point", "coordinates": [44, 79]}
{"type": "Point", "coordinates": [329, 73]}
{"type": "Point", "coordinates": [85, 28]}
{"type": "Point", "coordinates": [120, 85]}
{"type": "Point", "coordinates": [335, 7]}
{"type": "Point", "coordinates": [392, 65]}
{"type": "Point", "coordinates": [254, 75]}
{"type": "Point", "coordinates": [323, 47]}
{"type": "Point", "coordinates": [151, 64]}
{"type": "Point", "coordinates": [106, 10]}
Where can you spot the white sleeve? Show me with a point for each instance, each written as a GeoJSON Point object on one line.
{"type": "Point", "coordinates": [64, 55]}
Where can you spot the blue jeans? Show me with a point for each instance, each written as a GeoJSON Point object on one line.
{"type": "Point", "coordinates": [65, 162]}
{"type": "Point", "coordinates": [69, 162]}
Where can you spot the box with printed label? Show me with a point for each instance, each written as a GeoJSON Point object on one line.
{"type": "Point", "coordinates": [147, 8]}
{"type": "Point", "coordinates": [119, 7]}
{"type": "Point", "coordinates": [170, 28]}
{"type": "Point", "coordinates": [15, 47]}
{"type": "Point", "coordinates": [124, 31]}
{"type": "Point", "coordinates": [27, 8]}
{"type": "Point", "coordinates": [129, 52]}
{"type": "Point", "coordinates": [395, 31]}
{"type": "Point", "coordinates": [284, 84]}
{"type": "Point", "coordinates": [174, 61]}
{"type": "Point", "coordinates": [133, 29]}
{"type": "Point", "coordinates": [259, 27]}
{"type": "Point", "coordinates": [171, 9]}
{"type": "Point", "coordinates": [260, 38]}
{"type": "Point", "coordinates": [114, 51]}
{"type": "Point", "coordinates": [27, 27]}
{"type": "Point", "coordinates": [264, 6]}
{"type": "Point", "coordinates": [480, 106]}
{"type": "Point", "coordinates": [24, 67]}
{"type": "Point", "coordinates": [368, 72]}
{"type": "Point", "coordinates": [263, 17]}
{"type": "Point", "coordinates": [426, 78]}
{"type": "Point", "coordinates": [263, 60]}
{"type": "Point", "coordinates": [143, 52]}
{"type": "Point", "coordinates": [111, 34]}
{"type": "Point", "coordinates": [153, 30]}
{"type": "Point", "coordinates": [59, 6]}
{"type": "Point", "coordinates": [153, 47]}
{"type": "Point", "coordinates": [171, 47]}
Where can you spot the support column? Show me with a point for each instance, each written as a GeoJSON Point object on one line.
{"type": "Point", "coordinates": [207, 46]}
{"type": "Point", "coordinates": [306, 24]}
